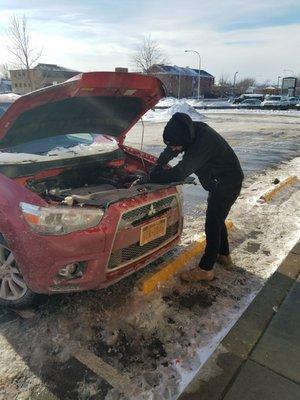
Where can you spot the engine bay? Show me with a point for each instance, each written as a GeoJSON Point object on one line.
{"type": "Point", "coordinates": [87, 184]}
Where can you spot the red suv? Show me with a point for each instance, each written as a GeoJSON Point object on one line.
{"type": "Point", "coordinates": [76, 211]}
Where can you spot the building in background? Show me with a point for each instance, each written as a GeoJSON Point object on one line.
{"type": "Point", "coordinates": [273, 90]}
{"type": "Point", "coordinates": [183, 82]}
{"type": "Point", "coordinates": [40, 76]}
{"type": "Point", "coordinates": [121, 69]}
{"type": "Point", "coordinates": [5, 85]}
{"type": "Point", "coordinates": [288, 86]}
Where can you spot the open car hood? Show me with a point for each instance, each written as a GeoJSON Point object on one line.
{"type": "Point", "coordinates": [108, 103]}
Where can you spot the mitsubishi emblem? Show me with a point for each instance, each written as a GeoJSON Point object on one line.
{"type": "Point", "coordinates": [152, 211]}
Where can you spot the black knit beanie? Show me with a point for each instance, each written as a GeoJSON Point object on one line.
{"type": "Point", "coordinates": [179, 131]}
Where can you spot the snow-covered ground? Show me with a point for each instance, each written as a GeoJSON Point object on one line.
{"type": "Point", "coordinates": [287, 113]}
{"type": "Point", "coordinates": [229, 108]}
{"type": "Point", "coordinates": [160, 341]}
{"type": "Point", "coordinates": [171, 101]}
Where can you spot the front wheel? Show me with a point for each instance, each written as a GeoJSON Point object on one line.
{"type": "Point", "coordinates": [13, 289]}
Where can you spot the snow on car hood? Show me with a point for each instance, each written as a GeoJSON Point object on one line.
{"type": "Point", "coordinates": [107, 103]}
{"type": "Point", "coordinates": [59, 153]}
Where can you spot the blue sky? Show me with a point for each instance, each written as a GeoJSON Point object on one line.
{"type": "Point", "coordinates": [258, 38]}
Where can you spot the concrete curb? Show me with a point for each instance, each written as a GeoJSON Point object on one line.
{"type": "Point", "coordinates": [291, 180]}
{"type": "Point", "coordinates": [150, 282]}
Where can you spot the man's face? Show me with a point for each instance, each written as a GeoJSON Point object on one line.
{"type": "Point", "coordinates": [177, 148]}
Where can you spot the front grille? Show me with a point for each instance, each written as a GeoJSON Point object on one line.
{"type": "Point", "coordinates": [134, 251]}
{"type": "Point", "coordinates": [139, 215]}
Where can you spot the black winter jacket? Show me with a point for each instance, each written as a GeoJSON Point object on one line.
{"type": "Point", "coordinates": [208, 155]}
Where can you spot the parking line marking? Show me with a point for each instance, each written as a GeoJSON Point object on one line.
{"type": "Point", "coordinates": [150, 282]}
{"type": "Point", "coordinates": [117, 380]}
{"type": "Point", "coordinates": [291, 180]}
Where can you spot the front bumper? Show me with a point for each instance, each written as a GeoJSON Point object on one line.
{"type": "Point", "coordinates": [40, 258]}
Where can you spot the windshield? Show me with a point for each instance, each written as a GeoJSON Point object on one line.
{"type": "Point", "coordinates": [59, 147]}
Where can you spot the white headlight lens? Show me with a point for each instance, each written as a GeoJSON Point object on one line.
{"type": "Point", "coordinates": [60, 220]}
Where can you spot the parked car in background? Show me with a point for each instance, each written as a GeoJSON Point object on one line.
{"type": "Point", "coordinates": [275, 102]}
{"type": "Point", "coordinates": [293, 100]}
{"type": "Point", "coordinates": [247, 96]}
{"type": "Point", "coordinates": [76, 209]}
{"type": "Point", "coordinates": [250, 103]}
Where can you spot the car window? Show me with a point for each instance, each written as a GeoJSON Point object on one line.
{"type": "Point", "coordinates": [274, 98]}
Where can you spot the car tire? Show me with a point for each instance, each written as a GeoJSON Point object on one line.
{"type": "Point", "coordinates": [14, 292]}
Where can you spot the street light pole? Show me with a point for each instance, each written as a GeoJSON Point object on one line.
{"type": "Point", "coordinates": [179, 81]}
{"type": "Point", "coordinates": [278, 77]}
{"type": "Point", "coordinates": [199, 69]}
{"type": "Point", "coordinates": [234, 79]}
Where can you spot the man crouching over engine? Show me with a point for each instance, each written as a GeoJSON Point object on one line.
{"type": "Point", "coordinates": [209, 156]}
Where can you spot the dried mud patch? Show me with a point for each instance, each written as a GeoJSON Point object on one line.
{"type": "Point", "coordinates": [201, 298]}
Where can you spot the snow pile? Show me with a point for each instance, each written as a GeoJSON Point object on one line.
{"type": "Point", "coordinates": [167, 102]}
{"type": "Point", "coordinates": [195, 102]}
{"type": "Point", "coordinates": [59, 153]}
{"type": "Point", "coordinates": [164, 115]}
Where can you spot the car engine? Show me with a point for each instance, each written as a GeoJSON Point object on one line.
{"type": "Point", "coordinates": [81, 184]}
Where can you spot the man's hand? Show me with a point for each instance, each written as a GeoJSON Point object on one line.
{"type": "Point", "coordinates": [167, 155]}
{"type": "Point", "coordinates": [154, 171]}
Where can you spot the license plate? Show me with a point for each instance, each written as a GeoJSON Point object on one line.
{"type": "Point", "coordinates": [153, 231]}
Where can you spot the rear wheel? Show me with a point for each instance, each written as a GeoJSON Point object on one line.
{"type": "Point", "coordinates": [13, 289]}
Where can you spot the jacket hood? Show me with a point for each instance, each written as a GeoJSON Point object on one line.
{"type": "Point", "coordinates": [179, 130]}
{"type": "Point", "coordinates": [108, 103]}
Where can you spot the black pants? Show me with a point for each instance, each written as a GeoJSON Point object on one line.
{"type": "Point", "coordinates": [219, 202]}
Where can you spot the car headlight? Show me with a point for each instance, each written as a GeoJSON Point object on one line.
{"type": "Point", "coordinates": [59, 220]}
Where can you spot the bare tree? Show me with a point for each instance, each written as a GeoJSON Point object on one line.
{"type": "Point", "coordinates": [244, 84]}
{"type": "Point", "coordinates": [223, 87]}
{"type": "Point", "coordinates": [148, 54]}
{"type": "Point", "coordinates": [4, 70]}
{"type": "Point", "coordinates": [25, 54]}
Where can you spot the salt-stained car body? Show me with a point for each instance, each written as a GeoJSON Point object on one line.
{"type": "Point", "coordinates": [76, 211]}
